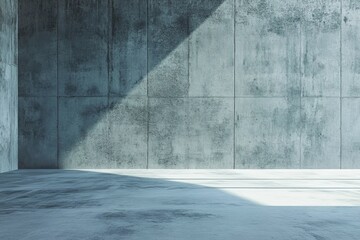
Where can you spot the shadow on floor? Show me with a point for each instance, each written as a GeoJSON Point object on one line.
{"type": "Point", "coordinates": [54, 204]}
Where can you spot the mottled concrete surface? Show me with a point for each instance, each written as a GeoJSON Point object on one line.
{"type": "Point", "coordinates": [38, 138]}
{"type": "Point", "coordinates": [128, 48]}
{"type": "Point", "coordinates": [168, 48]}
{"type": "Point", "coordinates": [83, 133]}
{"type": "Point", "coordinates": [211, 66]}
{"type": "Point", "coordinates": [38, 48]}
{"type": "Point", "coordinates": [267, 48]}
{"type": "Point", "coordinates": [350, 133]}
{"type": "Point", "coordinates": [8, 118]}
{"type": "Point", "coordinates": [320, 48]}
{"type": "Point", "coordinates": [8, 32]}
{"type": "Point", "coordinates": [172, 204]}
{"type": "Point", "coordinates": [127, 123]}
{"type": "Point", "coordinates": [83, 47]}
{"type": "Point", "coordinates": [320, 139]}
{"type": "Point", "coordinates": [191, 133]}
{"type": "Point", "coordinates": [267, 133]}
{"type": "Point", "coordinates": [191, 84]}
{"type": "Point", "coordinates": [8, 86]}
{"type": "Point", "coordinates": [350, 48]}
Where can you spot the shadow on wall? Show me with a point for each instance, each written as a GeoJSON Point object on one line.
{"type": "Point", "coordinates": [99, 205]}
{"type": "Point", "coordinates": [113, 132]}
{"type": "Point", "coordinates": [105, 51]}
{"type": "Point", "coordinates": [152, 83]}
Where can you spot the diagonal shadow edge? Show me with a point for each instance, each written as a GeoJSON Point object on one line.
{"type": "Point", "coordinates": [95, 111]}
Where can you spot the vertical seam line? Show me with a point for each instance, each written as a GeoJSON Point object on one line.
{"type": "Point", "coordinates": [109, 46]}
{"type": "Point", "coordinates": [301, 93]}
{"type": "Point", "coordinates": [109, 77]}
{"type": "Point", "coordinates": [234, 56]}
{"type": "Point", "coordinates": [147, 84]}
{"type": "Point", "coordinates": [341, 16]}
{"type": "Point", "coordinates": [57, 85]}
{"type": "Point", "coordinates": [188, 7]}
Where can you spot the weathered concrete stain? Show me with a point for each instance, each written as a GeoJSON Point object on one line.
{"type": "Point", "coordinates": [320, 48]}
{"type": "Point", "coordinates": [211, 67]}
{"type": "Point", "coordinates": [8, 32]}
{"type": "Point", "coordinates": [37, 132]}
{"type": "Point", "coordinates": [83, 48]}
{"type": "Point", "coordinates": [350, 133]}
{"type": "Point", "coordinates": [128, 120]}
{"type": "Point", "coordinates": [38, 48]}
{"type": "Point", "coordinates": [83, 133]}
{"type": "Point", "coordinates": [168, 48]}
{"type": "Point", "coordinates": [267, 133]}
{"type": "Point", "coordinates": [350, 49]}
{"type": "Point", "coordinates": [8, 86]}
{"type": "Point", "coordinates": [191, 133]}
{"type": "Point", "coordinates": [128, 45]}
{"type": "Point", "coordinates": [267, 48]}
{"type": "Point", "coordinates": [320, 133]}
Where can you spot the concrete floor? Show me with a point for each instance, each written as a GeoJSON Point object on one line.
{"type": "Point", "coordinates": [180, 204]}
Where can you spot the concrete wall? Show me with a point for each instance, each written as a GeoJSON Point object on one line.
{"type": "Point", "coordinates": [8, 86]}
{"type": "Point", "coordinates": [189, 84]}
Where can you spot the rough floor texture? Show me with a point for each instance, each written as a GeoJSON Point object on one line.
{"type": "Point", "coordinates": [178, 204]}
{"type": "Point", "coordinates": [189, 84]}
{"type": "Point", "coordinates": [8, 86]}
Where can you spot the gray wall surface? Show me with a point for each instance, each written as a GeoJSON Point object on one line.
{"type": "Point", "coordinates": [189, 84]}
{"type": "Point", "coordinates": [8, 86]}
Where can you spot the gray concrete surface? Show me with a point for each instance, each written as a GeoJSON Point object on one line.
{"type": "Point", "coordinates": [320, 140]}
{"type": "Point", "coordinates": [38, 48]}
{"type": "Point", "coordinates": [191, 133]}
{"type": "Point", "coordinates": [190, 84]}
{"type": "Point", "coordinates": [320, 48]}
{"type": "Point", "coordinates": [83, 48]}
{"type": "Point", "coordinates": [173, 204]}
{"type": "Point", "coordinates": [128, 44]}
{"type": "Point", "coordinates": [350, 48]}
{"type": "Point", "coordinates": [38, 137]}
{"type": "Point", "coordinates": [265, 136]}
{"type": "Point", "coordinates": [8, 86]}
{"type": "Point", "coordinates": [350, 129]}
{"type": "Point", "coordinates": [267, 53]}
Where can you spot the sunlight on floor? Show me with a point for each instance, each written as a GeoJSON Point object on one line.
{"type": "Point", "coordinates": [269, 187]}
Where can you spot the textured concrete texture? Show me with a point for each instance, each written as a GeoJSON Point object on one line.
{"type": "Point", "coordinates": [37, 48]}
{"type": "Point", "coordinates": [211, 67]}
{"type": "Point", "coordinates": [38, 137]}
{"type": "Point", "coordinates": [320, 48]}
{"type": "Point", "coordinates": [191, 133]}
{"type": "Point", "coordinates": [189, 84]}
{"type": "Point", "coordinates": [128, 44]}
{"type": "Point", "coordinates": [350, 132]}
{"type": "Point", "coordinates": [83, 44]}
{"type": "Point", "coordinates": [8, 86]}
{"type": "Point", "coordinates": [350, 48]}
{"type": "Point", "coordinates": [117, 136]}
{"type": "Point", "coordinates": [184, 58]}
{"type": "Point", "coordinates": [173, 204]}
{"type": "Point", "coordinates": [267, 48]}
{"type": "Point", "coordinates": [83, 133]}
{"type": "Point", "coordinates": [320, 140]}
{"type": "Point", "coordinates": [8, 32]}
{"type": "Point", "coordinates": [267, 133]}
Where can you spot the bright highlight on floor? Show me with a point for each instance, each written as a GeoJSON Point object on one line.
{"type": "Point", "coordinates": [180, 204]}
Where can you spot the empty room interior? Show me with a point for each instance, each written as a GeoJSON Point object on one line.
{"type": "Point", "coordinates": [179, 119]}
